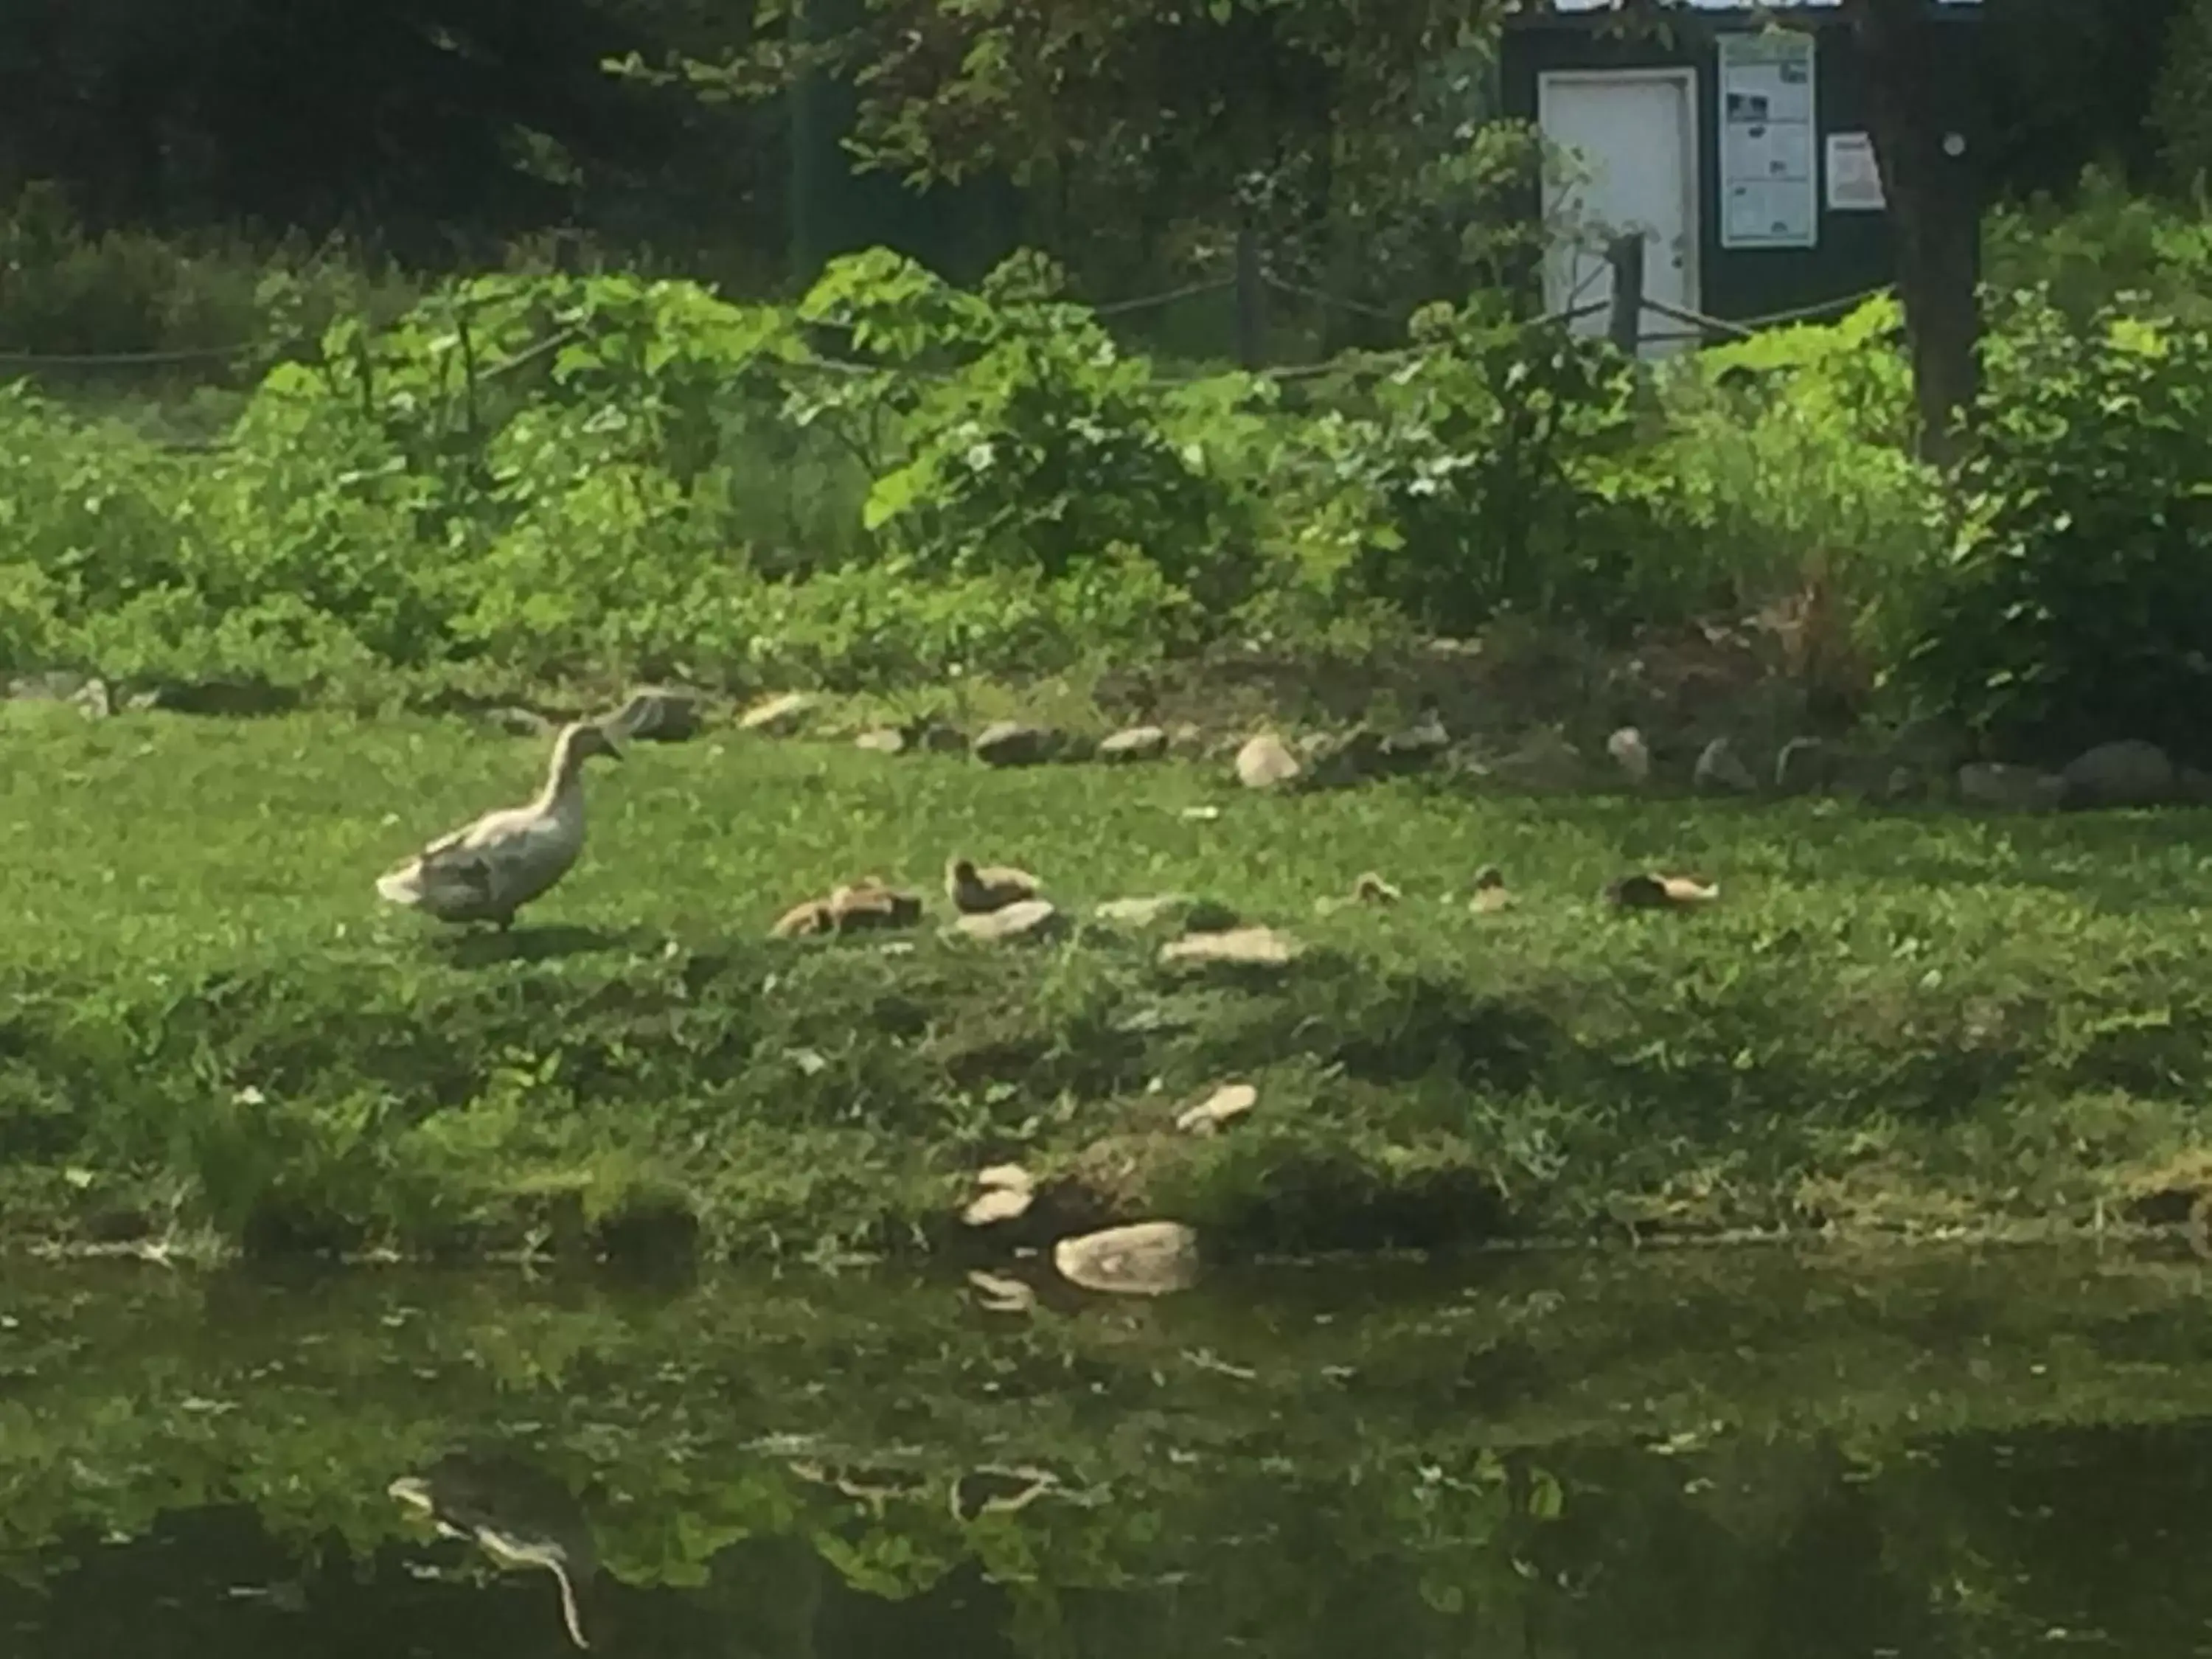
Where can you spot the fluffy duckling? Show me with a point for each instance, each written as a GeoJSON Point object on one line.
{"type": "Point", "coordinates": [1647, 891]}
{"type": "Point", "coordinates": [1371, 889]}
{"type": "Point", "coordinates": [1490, 892]}
{"type": "Point", "coordinates": [978, 892]}
{"type": "Point", "coordinates": [488, 870]}
{"type": "Point", "coordinates": [805, 921]}
{"type": "Point", "coordinates": [868, 904]}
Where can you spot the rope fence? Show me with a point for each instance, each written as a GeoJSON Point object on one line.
{"type": "Point", "coordinates": [1252, 279]}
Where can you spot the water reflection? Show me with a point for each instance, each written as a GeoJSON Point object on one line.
{"type": "Point", "coordinates": [1716, 1456]}
{"type": "Point", "coordinates": [516, 1513]}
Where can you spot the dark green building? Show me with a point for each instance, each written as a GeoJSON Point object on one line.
{"type": "Point", "coordinates": [1737, 138]}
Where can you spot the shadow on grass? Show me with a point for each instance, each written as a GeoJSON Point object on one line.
{"type": "Point", "coordinates": [551, 942]}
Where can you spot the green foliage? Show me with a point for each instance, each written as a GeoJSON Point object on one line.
{"type": "Point", "coordinates": [896, 480]}
{"type": "Point", "coordinates": [1043, 448]}
{"type": "Point", "coordinates": [71, 292]}
{"type": "Point", "coordinates": [2180, 111]}
{"type": "Point", "coordinates": [1470, 482]}
{"type": "Point", "coordinates": [1787, 459]}
{"type": "Point", "coordinates": [2101, 242]}
{"type": "Point", "coordinates": [2073, 608]}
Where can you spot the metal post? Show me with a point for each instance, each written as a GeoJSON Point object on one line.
{"type": "Point", "coordinates": [1251, 299]}
{"type": "Point", "coordinates": [1626, 255]}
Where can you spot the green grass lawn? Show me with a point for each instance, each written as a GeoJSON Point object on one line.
{"type": "Point", "coordinates": [213, 1029]}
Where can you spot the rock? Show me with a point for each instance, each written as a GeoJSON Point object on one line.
{"type": "Point", "coordinates": [1265, 762]}
{"type": "Point", "coordinates": [1359, 756]}
{"type": "Point", "coordinates": [1804, 764]}
{"type": "Point", "coordinates": [1256, 947]}
{"type": "Point", "coordinates": [1721, 771]}
{"type": "Point", "coordinates": [1903, 783]}
{"type": "Point", "coordinates": [2130, 773]}
{"type": "Point", "coordinates": [519, 722]}
{"type": "Point", "coordinates": [86, 693]}
{"type": "Point", "coordinates": [1545, 762]}
{"type": "Point", "coordinates": [1144, 912]}
{"type": "Point", "coordinates": [1420, 744]}
{"type": "Point", "coordinates": [1135, 743]}
{"type": "Point", "coordinates": [1031, 919]}
{"type": "Point", "coordinates": [1218, 1109]}
{"type": "Point", "coordinates": [1010, 743]}
{"type": "Point", "coordinates": [1929, 744]}
{"type": "Point", "coordinates": [1631, 753]}
{"type": "Point", "coordinates": [1148, 1258]}
{"type": "Point", "coordinates": [882, 740]}
{"type": "Point", "coordinates": [659, 713]}
{"type": "Point", "coordinates": [1994, 785]}
{"type": "Point", "coordinates": [1191, 913]}
{"type": "Point", "coordinates": [2194, 786]}
{"type": "Point", "coordinates": [778, 717]}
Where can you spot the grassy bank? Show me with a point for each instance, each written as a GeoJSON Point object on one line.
{"type": "Point", "coordinates": [211, 1031]}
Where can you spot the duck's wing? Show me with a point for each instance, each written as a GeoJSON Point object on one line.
{"type": "Point", "coordinates": [468, 866]}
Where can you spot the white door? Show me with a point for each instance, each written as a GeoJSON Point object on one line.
{"type": "Point", "coordinates": [1635, 133]}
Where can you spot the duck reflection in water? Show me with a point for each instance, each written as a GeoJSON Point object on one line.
{"type": "Point", "coordinates": [517, 1514]}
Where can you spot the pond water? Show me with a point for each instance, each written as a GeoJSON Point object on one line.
{"type": "Point", "coordinates": [1709, 1454]}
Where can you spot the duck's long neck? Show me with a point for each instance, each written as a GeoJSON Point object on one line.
{"type": "Point", "coordinates": [564, 776]}
{"type": "Point", "coordinates": [572, 1607]}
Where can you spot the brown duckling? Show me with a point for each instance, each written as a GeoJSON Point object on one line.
{"type": "Point", "coordinates": [869, 904]}
{"type": "Point", "coordinates": [805, 921]}
{"type": "Point", "coordinates": [1371, 889]}
{"type": "Point", "coordinates": [977, 891]}
{"type": "Point", "coordinates": [1490, 893]}
{"type": "Point", "coordinates": [1646, 891]}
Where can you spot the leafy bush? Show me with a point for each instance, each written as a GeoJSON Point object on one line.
{"type": "Point", "coordinates": [1472, 480]}
{"type": "Point", "coordinates": [531, 477]}
{"type": "Point", "coordinates": [2104, 241]}
{"type": "Point", "coordinates": [69, 292]}
{"type": "Point", "coordinates": [1040, 446]}
{"type": "Point", "coordinates": [2076, 605]}
{"type": "Point", "coordinates": [1787, 459]}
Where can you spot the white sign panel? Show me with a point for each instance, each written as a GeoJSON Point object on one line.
{"type": "Point", "coordinates": [1854, 177]}
{"type": "Point", "coordinates": [1770, 191]}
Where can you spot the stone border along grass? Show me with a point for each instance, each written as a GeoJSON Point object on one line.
{"type": "Point", "coordinates": [1891, 1020]}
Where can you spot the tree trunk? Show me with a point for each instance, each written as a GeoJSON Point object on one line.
{"type": "Point", "coordinates": [1918, 103]}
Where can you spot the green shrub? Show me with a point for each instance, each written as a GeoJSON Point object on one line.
{"type": "Point", "coordinates": [1472, 480]}
{"type": "Point", "coordinates": [71, 292]}
{"type": "Point", "coordinates": [1037, 445]}
{"type": "Point", "coordinates": [2104, 241]}
{"type": "Point", "coordinates": [1787, 459]}
{"type": "Point", "coordinates": [2076, 603]}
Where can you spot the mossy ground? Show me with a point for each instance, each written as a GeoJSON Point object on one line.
{"type": "Point", "coordinates": [212, 1030]}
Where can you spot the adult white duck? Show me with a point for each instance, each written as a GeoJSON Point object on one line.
{"type": "Point", "coordinates": [488, 870]}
